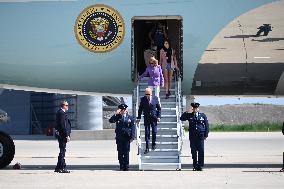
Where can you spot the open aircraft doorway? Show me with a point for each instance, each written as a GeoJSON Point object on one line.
{"type": "Point", "coordinates": [141, 43]}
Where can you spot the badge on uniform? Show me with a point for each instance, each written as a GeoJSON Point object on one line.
{"type": "Point", "coordinates": [201, 118]}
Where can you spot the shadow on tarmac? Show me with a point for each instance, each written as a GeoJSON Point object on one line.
{"type": "Point", "coordinates": [185, 167]}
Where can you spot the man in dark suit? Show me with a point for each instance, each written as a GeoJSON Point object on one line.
{"type": "Point", "coordinates": [62, 132]}
{"type": "Point", "coordinates": [198, 132]}
{"type": "Point", "coordinates": [151, 108]}
{"type": "Point", "coordinates": [125, 134]}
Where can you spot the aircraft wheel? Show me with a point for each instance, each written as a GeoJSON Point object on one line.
{"type": "Point", "coordinates": [7, 149]}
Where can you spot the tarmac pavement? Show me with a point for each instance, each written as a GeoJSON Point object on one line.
{"type": "Point", "coordinates": [233, 160]}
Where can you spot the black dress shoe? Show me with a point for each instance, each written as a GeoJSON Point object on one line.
{"type": "Point", "coordinates": [126, 169]}
{"type": "Point", "coordinates": [154, 147]}
{"type": "Point", "coordinates": [58, 170]}
{"type": "Point", "coordinates": [146, 151]}
{"type": "Point", "coordinates": [64, 171]}
{"type": "Point", "coordinates": [197, 169]}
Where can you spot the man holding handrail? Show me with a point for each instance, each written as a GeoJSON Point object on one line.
{"type": "Point", "coordinates": [151, 108]}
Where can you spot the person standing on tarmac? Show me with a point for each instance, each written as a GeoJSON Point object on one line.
{"type": "Point", "coordinates": [62, 133]}
{"type": "Point", "coordinates": [198, 132]}
{"type": "Point", "coordinates": [125, 134]}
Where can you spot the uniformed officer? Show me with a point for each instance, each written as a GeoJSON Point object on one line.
{"type": "Point", "coordinates": [198, 132]}
{"type": "Point", "coordinates": [62, 132]}
{"type": "Point", "coordinates": [125, 133]}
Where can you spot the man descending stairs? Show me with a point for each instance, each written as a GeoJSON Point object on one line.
{"type": "Point", "coordinates": [167, 152]}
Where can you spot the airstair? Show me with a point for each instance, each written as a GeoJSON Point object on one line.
{"type": "Point", "coordinates": [167, 155]}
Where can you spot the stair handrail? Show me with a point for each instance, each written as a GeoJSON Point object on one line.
{"type": "Point", "coordinates": [180, 129]}
{"type": "Point", "coordinates": [138, 137]}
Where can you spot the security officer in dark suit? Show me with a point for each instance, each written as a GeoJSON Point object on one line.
{"type": "Point", "coordinates": [62, 133]}
{"type": "Point", "coordinates": [198, 132]}
{"type": "Point", "coordinates": [125, 134]}
{"type": "Point", "coordinates": [150, 106]}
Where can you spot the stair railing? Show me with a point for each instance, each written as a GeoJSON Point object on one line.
{"type": "Point", "coordinates": [138, 136]}
{"type": "Point", "coordinates": [180, 129]}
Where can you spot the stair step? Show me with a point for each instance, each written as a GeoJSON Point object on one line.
{"type": "Point", "coordinates": [168, 109]}
{"type": "Point", "coordinates": [161, 147]}
{"type": "Point", "coordinates": [160, 166]}
{"type": "Point", "coordinates": [171, 115]}
{"type": "Point", "coordinates": [159, 157]}
{"type": "Point", "coordinates": [163, 142]}
{"type": "Point", "coordinates": [166, 119]}
{"type": "Point", "coordinates": [162, 122]}
{"type": "Point", "coordinates": [162, 136]}
{"type": "Point", "coordinates": [163, 139]}
{"type": "Point", "coordinates": [157, 153]}
{"type": "Point", "coordinates": [162, 132]}
{"type": "Point", "coordinates": [168, 104]}
{"type": "Point", "coordinates": [160, 160]}
{"type": "Point", "coordinates": [162, 129]}
{"type": "Point", "coordinates": [167, 126]}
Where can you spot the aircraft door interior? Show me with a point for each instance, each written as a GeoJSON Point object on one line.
{"type": "Point", "coordinates": [141, 45]}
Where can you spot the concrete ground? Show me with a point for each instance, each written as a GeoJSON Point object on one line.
{"type": "Point", "coordinates": [233, 160]}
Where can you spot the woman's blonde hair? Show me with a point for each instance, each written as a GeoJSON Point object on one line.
{"type": "Point", "coordinates": [152, 58]}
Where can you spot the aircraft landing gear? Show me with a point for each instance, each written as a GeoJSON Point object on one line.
{"type": "Point", "coordinates": [7, 149]}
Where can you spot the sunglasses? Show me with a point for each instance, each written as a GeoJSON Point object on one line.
{"type": "Point", "coordinates": [147, 94]}
{"type": "Point", "coordinates": [66, 105]}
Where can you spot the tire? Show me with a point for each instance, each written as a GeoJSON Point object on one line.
{"type": "Point", "coordinates": [7, 149]}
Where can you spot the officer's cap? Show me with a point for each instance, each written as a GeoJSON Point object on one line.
{"type": "Point", "coordinates": [195, 104]}
{"type": "Point", "coordinates": [122, 106]}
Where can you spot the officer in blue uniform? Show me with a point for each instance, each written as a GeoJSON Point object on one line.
{"type": "Point", "coordinates": [198, 132]}
{"type": "Point", "coordinates": [125, 133]}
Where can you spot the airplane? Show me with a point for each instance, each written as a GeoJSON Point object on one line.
{"type": "Point", "coordinates": [96, 47]}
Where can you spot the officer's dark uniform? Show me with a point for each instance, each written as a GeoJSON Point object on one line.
{"type": "Point", "coordinates": [125, 131]}
{"type": "Point", "coordinates": [198, 131]}
{"type": "Point", "coordinates": [152, 111]}
{"type": "Point", "coordinates": [63, 130]}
